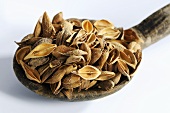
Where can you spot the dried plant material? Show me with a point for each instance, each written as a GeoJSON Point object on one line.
{"type": "Point", "coordinates": [95, 55]}
{"type": "Point", "coordinates": [129, 58]}
{"type": "Point", "coordinates": [106, 85]}
{"type": "Point", "coordinates": [106, 75]}
{"type": "Point", "coordinates": [100, 24]}
{"type": "Point", "coordinates": [59, 50]}
{"type": "Point", "coordinates": [71, 81]}
{"type": "Point", "coordinates": [109, 33]}
{"type": "Point", "coordinates": [75, 59]}
{"type": "Point", "coordinates": [89, 72]}
{"type": "Point", "coordinates": [58, 18]}
{"type": "Point", "coordinates": [130, 36]}
{"type": "Point", "coordinates": [75, 22]}
{"type": "Point", "coordinates": [37, 30]}
{"type": "Point", "coordinates": [68, 93]}
{"type": "Point", "coordinates": [22, 52]}
{"type": "Point", "coordinates": [113, 56]}
{"type": "Point", "coordinates": [123, 68]}
{"type": "Point", "coordinates": [47, 73]}
{"type": "Point", "coordinates": [87, 26]}
{"type": "Point", "coordinates": [73, 55]}
{"type": "Point", "coordinates": [116, 79]}
{"type": "Point", "coordinates": [134, 46]}
{"type": "Point", "coordinates": [41, 50]}
{"type": "Point", "coordinates": [42, 40]}
{"type": "Point", "coordinates": [47, 26]}
{"type": "Point", "coordinates": [35, 62]}
{"type": "Point", "coordinates": [30, 73]}
{"type": "Point", "coordinates": [56, 63]}
{"type": "Point", "coordinates": [56, 88]}
{"type": "Point", "coordinates": [86, 48]}
{"type": "Point", "coordinates": [103, 59]}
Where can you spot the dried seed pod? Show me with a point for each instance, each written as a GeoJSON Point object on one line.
{"type": "Point", "coordinates": [123, 68]}
{"type": "Point", "coordinates": [42, 40]}
{"type": "Point", "coordinates": [56, 88]}
{"type": "Point", "coordinates": [58, 18]}
{"type": "Point", "coordinates": [100, 24]}
{"type": "Point", "coordinates": [75, 59]}
{"type": "Point", "coordinates": [103, 59]}
{"type": "Point", "coordinates": [84, 84]}
{"type": "Point", "coordinates": [30, 73]}
{"type": "Point", "coordinates": [59, 50]}
{"type": "Point", "coordinates": [129, 58]}
{"type": "Point", "coordinates": [47, 26]}
{"type": "Point", "coordinates": [28, 42]}
{"type": "Point", "coordinates": [35, 62]}
{"type": "Point", "coordinates": [56, 63]}
{"type": "Point", "coordinates": [41, 50]}
{"type": "Point", "coordinates": [105, 75]}
{"type": "Point", "coordinates": [37, 30]}
{"type": "Point", "coordinates": [86, 48]}
{"type": "Point", "coordinates": [116, 79]}
{"type": "Point", "coordinates": [87, 26]}
{"type": "Point", "coordinates": [89, 72]}
{"type": "Point", "coordinates": [91, 84]}
{"type": "Point", "coordinates": [95, 55]}
{"type": "Point", "coordinates": [134, 46]}
{"type": "Point", "coordinates": [113, 56]}
{"type": "Point", "coordinates": [106, 85]}
{"type": "Point", "coordinates": [21, 53]}
{"type": "Point", "coordinates": [109, 33]}
{"type": "Point", "coordinates": [68, 93]}
{"type": "Point", "coordinates": [75, 22]}
{"type": "Point", "coordinates": [76, 52]}
{"type": "Point", "coordinates": [91, 39]}
{"type": "Point", "coordinates": [71, 81]}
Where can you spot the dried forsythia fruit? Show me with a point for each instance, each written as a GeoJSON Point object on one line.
{"type": "Point", "coordinates": [75, 55]}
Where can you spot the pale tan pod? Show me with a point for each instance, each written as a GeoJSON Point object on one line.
{"type": "Point", "coordinates": [106, 75]}
{"type": "Point", "coordinates": [37, 29]}
{"type": "Point", "coordinates": [30, 73]}
{"type": "Point", "coordinates": [68, 93]}
{"type": "Point", "coordinates": [91, 84]}
{"type": "Point", "coordinates": [91, 39]}
{"type": "Point", "coordinates": [134, 46]}
{"type": "Point", "coordinates": [21, 53]}
{"type": "Point", "coordinates": [42, 40]}
{"type": "Point", "coordinates": [109, 33]}
{"type": "Point", "coordinates": [41, 50]}
{"type": "Point", "coordinates": [87, 26]}
{"type": "Point", "coordinates": [89, 72]}
{"type": "Point", "coordinates": [100, 24]}
{"type": "Point", "coordinates": [75, 22]}
{"type": "Point", "coordinates": [123, 68]}
{"type": "Point", "coordinates": [28, 37]}
{"type": "Point", "coordinates": [76, 52]}
{"type": "Point", "coordinates": [56, 63]}
{"type": "Point", "coordinates": [84, 84]}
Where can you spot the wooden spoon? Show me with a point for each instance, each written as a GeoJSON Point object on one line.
{"type": "Point", "coordinates": [151, 30]}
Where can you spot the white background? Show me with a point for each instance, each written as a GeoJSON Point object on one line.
{"type": "Point", "coordinates": [148, 92]}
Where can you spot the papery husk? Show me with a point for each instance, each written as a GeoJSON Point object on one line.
{"type": "Point", "coordinates": [37, 29]}
{"type": "Point", "coordinates": [30, 73]}
{"type": "Point", "coordinates": [87, 26]}
{"type": "Point", "coordinates": [95, 55]}
{"type": "Point", "coordinates": [21, 53]}
{"type": "Point", "coordinates": [35, 62]}
{"type": "Point", "coordinates": [89, 72]}
{"type": "Point", "coordinates": [100, 24]}
{"type": "Point", "coordinates": [106, 75]}
{"type": "Point", "coordinates": [106, 85]}
{"type": "Point", "coordinates": [41, 50]}
{"type": "Point", "coordinates": [47, 26]}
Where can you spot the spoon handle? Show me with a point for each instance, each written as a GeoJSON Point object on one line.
{"type": "Point", "coordinates": [154, 27]}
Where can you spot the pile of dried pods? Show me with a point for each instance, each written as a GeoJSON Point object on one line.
{"type": "Point", "coordinates": [75, 55]}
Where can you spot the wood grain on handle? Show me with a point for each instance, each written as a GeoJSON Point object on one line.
{"type": "Point", "coordinates": [155, 27]}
